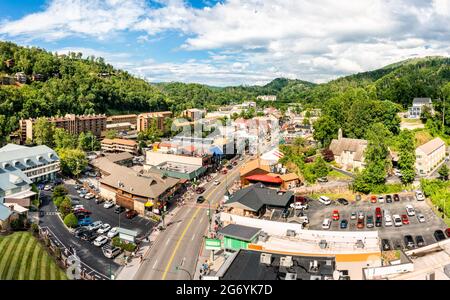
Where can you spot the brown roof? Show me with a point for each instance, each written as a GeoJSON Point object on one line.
{"type": "Point", "coordinates": [431, 146]}
{"type": "Point", "coordinates": [252, 165]}
{"type": "Point", "coordinates": [119, 141]}
{"type": "Point", "coordinates": [352, 145]}
{"type": "Point", "coordinates": [115, 157]}
{"type": "Point", "coordinates": [289, 177]}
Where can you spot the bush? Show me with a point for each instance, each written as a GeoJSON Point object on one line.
{"type": "Point", "coordinates": [117, 242]}
{"type": "Point", "coordinates": [59, 191]}
{"type": "Point", "coordinates": [17, 224]}
{"type": "Point", "coordinates": [34, 228]}
{"type": "Point", "coordinates": [71, 220]}
{"type": "Point", "coordinates": [65, 207]}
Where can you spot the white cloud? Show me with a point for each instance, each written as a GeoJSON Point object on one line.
{"type": "Point", "coordinates": [256, 40]}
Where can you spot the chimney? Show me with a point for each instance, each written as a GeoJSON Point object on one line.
{"type": "Point", "coordinates": [340, 134]}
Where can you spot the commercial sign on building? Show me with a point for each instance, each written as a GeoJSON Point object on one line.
{"type": "Point", "coordinates": [213, 244]}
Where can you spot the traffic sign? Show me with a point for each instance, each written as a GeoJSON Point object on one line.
{"type": "Point", "coordinates": [213, 244]}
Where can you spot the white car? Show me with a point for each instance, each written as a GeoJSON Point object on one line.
{"type": "Point", "coordinates": [381, 199]}
{"type": "Point", "coordinates": [326, 223]}
{"type": "Point", "coordinates": [397, 220]}
{"type": "Point", "coordinates": [113, 232]}
{"type": "Point", "coordinates": [108, 204]}
{"type": "Point", "coordinates": [96, 225]}
{"type": "Point", "coordinates": [78, 207]}
{"type": "Point", "coordinates": [47, 188]}
{"type": "Point", "coordinates": [299, 205]}
{"type": "Point", "coordinates": [216, 182]}
{"type": "Point", "coordinates": [100, 241]}
{"type": "Point", "coordinates": [421, 218]}
{"type": "Point", "coordinates": [410, 210]}
{"type": "Point", "coordinates": [104, 228]}
{"type": "Point", "coordinates": [387, 220]}
{"type": "Point", "coordinates": [324, 200]}
{"type": "Point", "coordinates": [89, 196]}
{"type": "Point", "coordinates": [420, 196]}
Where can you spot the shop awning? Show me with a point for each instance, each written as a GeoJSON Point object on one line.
{"type": "Point", "coordinates": [148, 204]}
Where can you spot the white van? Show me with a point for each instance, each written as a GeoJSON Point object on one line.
{"type": "Point", "coordinates": [397, 220]}
{"type": "Point", "coordinates": [326, 223]}
{"type": "Point", "coordinates": [324, 200]}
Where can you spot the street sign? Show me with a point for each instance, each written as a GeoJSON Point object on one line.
{"type": "Point", "coordinates": [213, 244]}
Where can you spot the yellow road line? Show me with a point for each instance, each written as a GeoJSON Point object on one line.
{"type": "Point", "coordinates": [178, 244]}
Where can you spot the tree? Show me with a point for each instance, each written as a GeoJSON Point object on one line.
{"type": "Point", "coordinates": [65, 206]}
{"type": "Point", "coordinates": [321, 169]}
{"type": "Point", "coordinates": [327, 155]}
{"type": "Point", "coordinates": [407, 156]}
{"type": "Point", "coordinates": [59, 191]}
{"type": "Point", "coordinates": [43, 132]}
{"type": "Point", "coordinates": [444, 172]}
{"type": "Point", "coordinates": [73, 161]}
{"type": "Point", "coordinates": [325, 129]}
{"type": "Point", "coordinates": [71, 220]}
{"type": "Point", "coordinates": [88, 142]}
{"type": "Point", "coordinates": [63, 139]}
{"type": "Point", "coordinates": [111, 134]}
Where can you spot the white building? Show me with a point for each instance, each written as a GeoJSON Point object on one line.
{"type": "Point", "coordinates": [430, 156]}
{"type": "Point", "coordinates": [417, 107]}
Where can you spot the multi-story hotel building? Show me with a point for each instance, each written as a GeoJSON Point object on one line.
{"type": "Point", "coordinates": [74, 124]}
{"type": "Point", "coordinates": [145, 120]}
{"type": "Point", "coordinates": [132, 119]}
{"type": "Point", "coordinates": [119, 145]}
{"type": "Point", "coordinates": [430, 156]}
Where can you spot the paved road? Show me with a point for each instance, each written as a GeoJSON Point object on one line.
{"type": "Point", "coordinates": [181, 242]}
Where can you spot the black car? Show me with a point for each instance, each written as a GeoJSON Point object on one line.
{"type": "Point", "coordinates": [378, 222]}
{"type": "Point", "coordinates": [385, 245]}
{"type": "Point", "coordinates": [396, 197]}
{"type": "Point", "coordinates": [388, 199]}
{"type": "Point", "coordinates": [342, 201]}
{"type": "Point", "coordinates": [119, 209]}
{"type": "Point", "coordinates": [79, 231]}
{"type": "Point", "coordinates": [420, 242]}
{"type": "Point", "coordinates": [439, 235]}
{"type": "Point", "coordinates": [229, 167]}
{"type": "Point", "coordinates": [88, 235]}
{"type": "Point", "coordinates": [285, 213]}
{"type": "Point", "coordinates": [398, 245]}
{"type": "Point", "coordinates": [200, 199]}
{"type": "Point", "coordinates": [409, 242]}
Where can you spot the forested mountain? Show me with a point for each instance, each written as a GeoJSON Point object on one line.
{"type": "Point", "coordinates": [72, 84]}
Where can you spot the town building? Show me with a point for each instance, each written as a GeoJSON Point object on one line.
{"type": "Point", "coordinates": [418, 107]}
{"type": "Point", "coordinates": [194, 113]}
{"type": "Point", "coordinates": [176, 166]}
{"type": "Point", "coordinates": [74, 124]}
{"type": "Point", "coordinates": [37, 77]}
{"type": "Point", "coordinates": [430, 156]}
{"type": "Point", "coordinates": [39, 163]}
{"type": "Point", "coordinates": [348, 153]}
{"type": "Point", "coordinates": [121, 158]}
{"type": "Point", "coordinates": [267, 98]}
{"type": "Point", "coordinates": [120, 119]}
{"type": "Point", "coordinates": [119, 145]}
{"type": "Point", "coordinates": [132, 190]}
{"type": "Point", "coordinates": [144, 121]}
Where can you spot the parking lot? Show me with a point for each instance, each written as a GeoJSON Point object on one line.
{"type": "Point", "coordinates": [88, 253]}
{"type": "Point", "coordinates": [317, 212]}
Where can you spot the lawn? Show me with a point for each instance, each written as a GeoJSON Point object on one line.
{"type": "Point", "coordinates": [22, 257]}
{"type": "Point", "coordinates": [336, 175]}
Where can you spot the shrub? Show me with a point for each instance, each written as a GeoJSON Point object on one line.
{"type": "Point", "coordinates": [117, 242]}
{"type": "Point", "coordinates": [34, 228]}
{"type": "Point", "coordinates": [65, 206]}
{"type": "Point", "coordinates": [17, 224]}
{"type": "Point", "coordinates": [59, 191]}
{"type": "Point", "coordinates": [71, 220]}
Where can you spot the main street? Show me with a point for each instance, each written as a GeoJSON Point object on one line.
{"type": "Point", "coordinates": [180, 244]}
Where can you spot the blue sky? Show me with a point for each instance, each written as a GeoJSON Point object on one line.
{"type": "Point", "coordinates": [233, 42]}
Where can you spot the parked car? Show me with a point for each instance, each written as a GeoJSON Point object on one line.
{"type": "Point", "coordinates": [100, 241]}
{"type": "Point", "coordinates": [387, 220]}
{"type": "Point", "coordinates": [405, 220]}
{"type": "Point", "coordinates": [396, 197]}
{"type": "Point", "coordinates": [285, 213]}
{"type": "Point", "coordinates": [409, 242]}
{"type": "Point", "coordinates": [113, 232]}
{"type": "Point", "coordinates": [299, 205]}
{"type": "Point", "coordinates": [119, 209]}
{"type": "Point", "coordinates": [373, 199]}
{"type": "Point", "coordinates": [410, 210]}
{"type": "Point", "coordinates": [398, 245]}
{"type": "Point", "coordinates": [343, 224]}
{"type": "Point", "coordinates": [110, 251]}
{"type": "Point", "coordinates": [95, 226]}
{"type": "Point", "coordinates": [85, 222]}
{"type": "Point", "coordinates": [77, 232]}
{"type": "Point", "coordinates": [108, 204]}
{"type": "Point", "coordinates": [224, 171]}
{"type": "Point", "coordinates": [335, 215]}
{"type": "Point", "coordinates": [388, 199]}
{"type": "Point", "coordinates": [420, 242]}
{"type": "Point", "coordinates": [421, 218]}
{"type": "Point", "coordinates": [322, 180]}
{"type": "Point", "coordinates": [381, 199]}
{"type": "Point", "coordinates": [47, 188]}
{"type": "Point", "coordinates": [385, 245]}
{"type": "Point", "coordinates": [397, 220]}
{"type": "Point", "coordinates": [324, 200]}
{"type": "Point", "coordinates": [369, 221]}
{"type": "Point", "coordinates": [353, 216]}
{"type": "Point", "coordinates": [200, 199]}
{"type": "Point", "coordinates": [200, 190]}
{"type": "Point", "coordinates": [75, 201]}
{"type": "Point", "coordinates": [88, 235]}
{"type": "Point", "coordinates": [342, 201]}
{"type": "Point", "coordinates": [360, 223]}
{"type": "Point", "coordinates": [99, 200]}
{"type": "Point", "coordinates": [439, 235]}
{"type": "Point", "coordinates": [378, 222]}
{"type": "Point", "coordinates": [378, 213]}
{"type": "Point", "coordinates": [131, 214]}
{"type": "Point", "coordinates": [447, 232]}
{"type": "Point", "coordinates": [326, 224]}
{"type": "Point", "coordinates": [104, 228]}
{"type": "Point", "coordinates": [360, 215]}
{"type": "Point", "coordinates": [216, 182]}
{"type": "Point", "coordinates": [420, 196]}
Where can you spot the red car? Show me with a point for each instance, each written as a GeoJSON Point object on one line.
{"type": "Point", "coordinates": [373, 199]}
{"type": "Point", "coordinates": [378, 213]}
{"type": "Point", "coordinates": [200, 190]}
{"type": "Point", "coordinates": [131, 214]}
{"type": "Point", "coordinates": [335, 215]}
{"type": "Point", "coordinates": [405, 220]}
{"type": "Point", "coordinates": [224, 171]}
{"type": "Point", "coordinates": [447, 232]}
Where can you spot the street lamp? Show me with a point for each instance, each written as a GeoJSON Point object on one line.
{"type": "Point", "coordinates": [179, 268]}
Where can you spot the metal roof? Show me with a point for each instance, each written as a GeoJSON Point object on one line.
{"type": "Point", "coordinates": [240, 232]}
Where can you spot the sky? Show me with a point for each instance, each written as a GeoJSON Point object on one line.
{"type": "Point", "coordinates": [233, 42]}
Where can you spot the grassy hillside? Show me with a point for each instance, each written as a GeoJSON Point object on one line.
{"type": "Point", "coordinates": [23, 258]}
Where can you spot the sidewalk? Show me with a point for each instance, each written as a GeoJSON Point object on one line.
{"type": "Point", "coordinates": [128, 272]}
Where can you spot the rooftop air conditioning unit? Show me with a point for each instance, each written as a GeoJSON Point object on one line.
{"type": "Point", "coordinates": [314, 266]}
{"type": "Point", "coordinates": [286, 261]}
{"type": "Point", "coordinates": [263, 236]}
{"type": "Point", "coordinates": [323, 244]}
{"type": "Point", "coordinates": [290, 233]}
{"type": "Point", "coordinates": [265, 258]}
{"type": "Point", "coordinates": [291, 276]}
{"type": "Point", "coordinates": [315, 277]}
